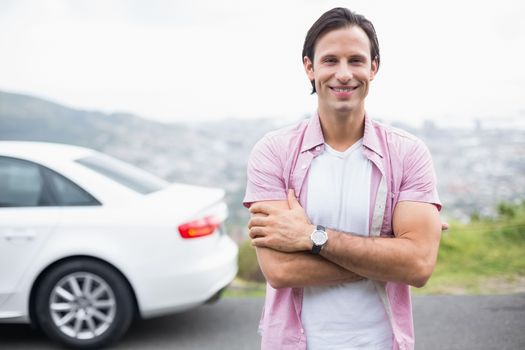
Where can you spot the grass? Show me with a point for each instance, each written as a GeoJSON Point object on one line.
{"type": "Point", "coordinates": [482, 257]}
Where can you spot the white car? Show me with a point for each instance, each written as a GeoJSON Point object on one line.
{"type": "Point", "coordinates": [88, 242]}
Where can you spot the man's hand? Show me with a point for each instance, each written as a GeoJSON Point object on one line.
{"type": "Point", "coordinates": [278, 229]}
{"type": "Point", "coordinates": [298, 269]}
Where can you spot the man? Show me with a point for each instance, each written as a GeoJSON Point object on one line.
{"type": "Point", "coordinates": [339, 259]}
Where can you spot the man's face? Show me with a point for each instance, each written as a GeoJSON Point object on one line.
{"type": "Point", "coordinates": [342, 69]}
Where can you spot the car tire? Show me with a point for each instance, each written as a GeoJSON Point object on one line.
{"type": "Point", "coordinates": [84, 304]}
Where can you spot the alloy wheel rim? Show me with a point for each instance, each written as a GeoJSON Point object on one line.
{"type": "Point", "coordinates": [82, 305]}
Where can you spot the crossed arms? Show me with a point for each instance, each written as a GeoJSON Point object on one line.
{"type": "Point", "coordinates": [280, 231]}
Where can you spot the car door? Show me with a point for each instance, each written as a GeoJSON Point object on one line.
{"type": "Point", "coordinates": [27, 217]}
{"type": "Point", "coordinates": [32, 203]}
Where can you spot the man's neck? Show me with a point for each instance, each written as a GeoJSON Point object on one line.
{"type": "Point", "coordinates": [342, 130]}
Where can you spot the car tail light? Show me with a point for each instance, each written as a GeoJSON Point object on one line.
{"type": "Point", "coordinates": [200, 227]}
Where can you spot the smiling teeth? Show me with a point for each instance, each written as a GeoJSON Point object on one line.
{"type": "Point", "coordinates": [343, 89]}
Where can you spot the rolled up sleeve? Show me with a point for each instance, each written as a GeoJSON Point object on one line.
{"type": "Point", "coordinates": [419, 178]}
{"type": "Point", "coordinates": [264, 174]}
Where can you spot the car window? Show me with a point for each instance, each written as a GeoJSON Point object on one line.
{"type": "Point", "coordinates": [68, 193]}
{"type": "Point", "coordinates": [123, 173]}
{"type": "Point", "coordinates": [21, 183]}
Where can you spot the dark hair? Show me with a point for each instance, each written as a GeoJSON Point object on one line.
{"type": "Point", "coordinates": [337, 18]}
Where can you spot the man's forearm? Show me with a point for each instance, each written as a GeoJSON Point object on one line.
{"type": "Point", "coordinates": [366, 255]}
{"type": "Point", "coordinates": [300, 269]}
{"type": "Point", "coordinates": [408, 258]}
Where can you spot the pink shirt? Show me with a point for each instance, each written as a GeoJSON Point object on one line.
{"type": "Point", "coordinates": [402, 170]}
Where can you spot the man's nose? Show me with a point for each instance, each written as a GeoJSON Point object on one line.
{"type": "Point", "coordinates": [344, 73]}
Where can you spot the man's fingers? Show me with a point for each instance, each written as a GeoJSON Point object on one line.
{"type": "Point", "coordinates": [258, 221]}
{"type": "Point", "coordinates": [259, 242]}
{"type": "Point", "coordinates": [261, 207]}
{"type": "Point", "coordinates": [256, 231]}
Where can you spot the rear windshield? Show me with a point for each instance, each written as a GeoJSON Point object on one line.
{"type": "Point", "coordinates": [123, 173]}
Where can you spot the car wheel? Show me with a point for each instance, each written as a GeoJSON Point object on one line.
{"type": "Point", "coordinates": [84, 303]}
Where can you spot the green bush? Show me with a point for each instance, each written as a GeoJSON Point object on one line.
{"type": "Point", "coordinates": [248, 266]}
{"type": "Point", "coordinates": [483, 256]}
{"type": "Point", "coordinates": [507, 210]}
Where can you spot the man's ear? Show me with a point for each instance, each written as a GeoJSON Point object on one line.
{"type": "Point", "coordinates": [308, 68]}
{"type": "Point", "coordinates": [373, 71]}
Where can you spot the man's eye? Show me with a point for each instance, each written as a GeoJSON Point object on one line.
{"type": "Point", "coordinates": [330, 60]}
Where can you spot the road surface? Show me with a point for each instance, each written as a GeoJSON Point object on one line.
{"type": "Point", "coordinates": [441, 322]}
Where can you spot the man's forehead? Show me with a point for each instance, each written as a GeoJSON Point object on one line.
{"type": "Point", "coordinates": [350, 38]}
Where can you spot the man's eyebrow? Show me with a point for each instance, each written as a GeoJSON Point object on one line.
{"type": "Point", "coordinates": [329, 55]}
{"type": "Point", "coordinates": [353, 56]}
{"type": "Point", "coordinates": [360, 56]}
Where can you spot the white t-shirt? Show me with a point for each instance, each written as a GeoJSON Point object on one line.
{"type": "Point", "coordinates": [347, 315]}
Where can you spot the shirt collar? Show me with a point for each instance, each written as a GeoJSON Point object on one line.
{"type": "Point", "coordinates": [370, 139]}
{"type": "Point", "coordinates": [313, 135]}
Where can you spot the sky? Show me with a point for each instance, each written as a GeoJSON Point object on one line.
{"type": "Point", "coordinates": [175, 61]}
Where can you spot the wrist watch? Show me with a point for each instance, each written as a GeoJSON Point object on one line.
{"type": "Point", "coordinates": [319, 239]}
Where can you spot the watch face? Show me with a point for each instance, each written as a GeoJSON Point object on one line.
{"type": "Point", "coordinates": [319, 237]}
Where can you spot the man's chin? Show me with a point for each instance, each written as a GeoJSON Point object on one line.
{"type": "Point", "coordinates": [344, 109]}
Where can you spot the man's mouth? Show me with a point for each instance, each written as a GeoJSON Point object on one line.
{"type": "Point", "coordinates": [343, 89]}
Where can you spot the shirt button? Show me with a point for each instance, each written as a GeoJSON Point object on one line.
{"type": "Point", "coordinates": [303, 167]}
{"type": "Point", "coordinates": [302, 330]}
{"type": "Point", "coordinates": [317, 148]}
